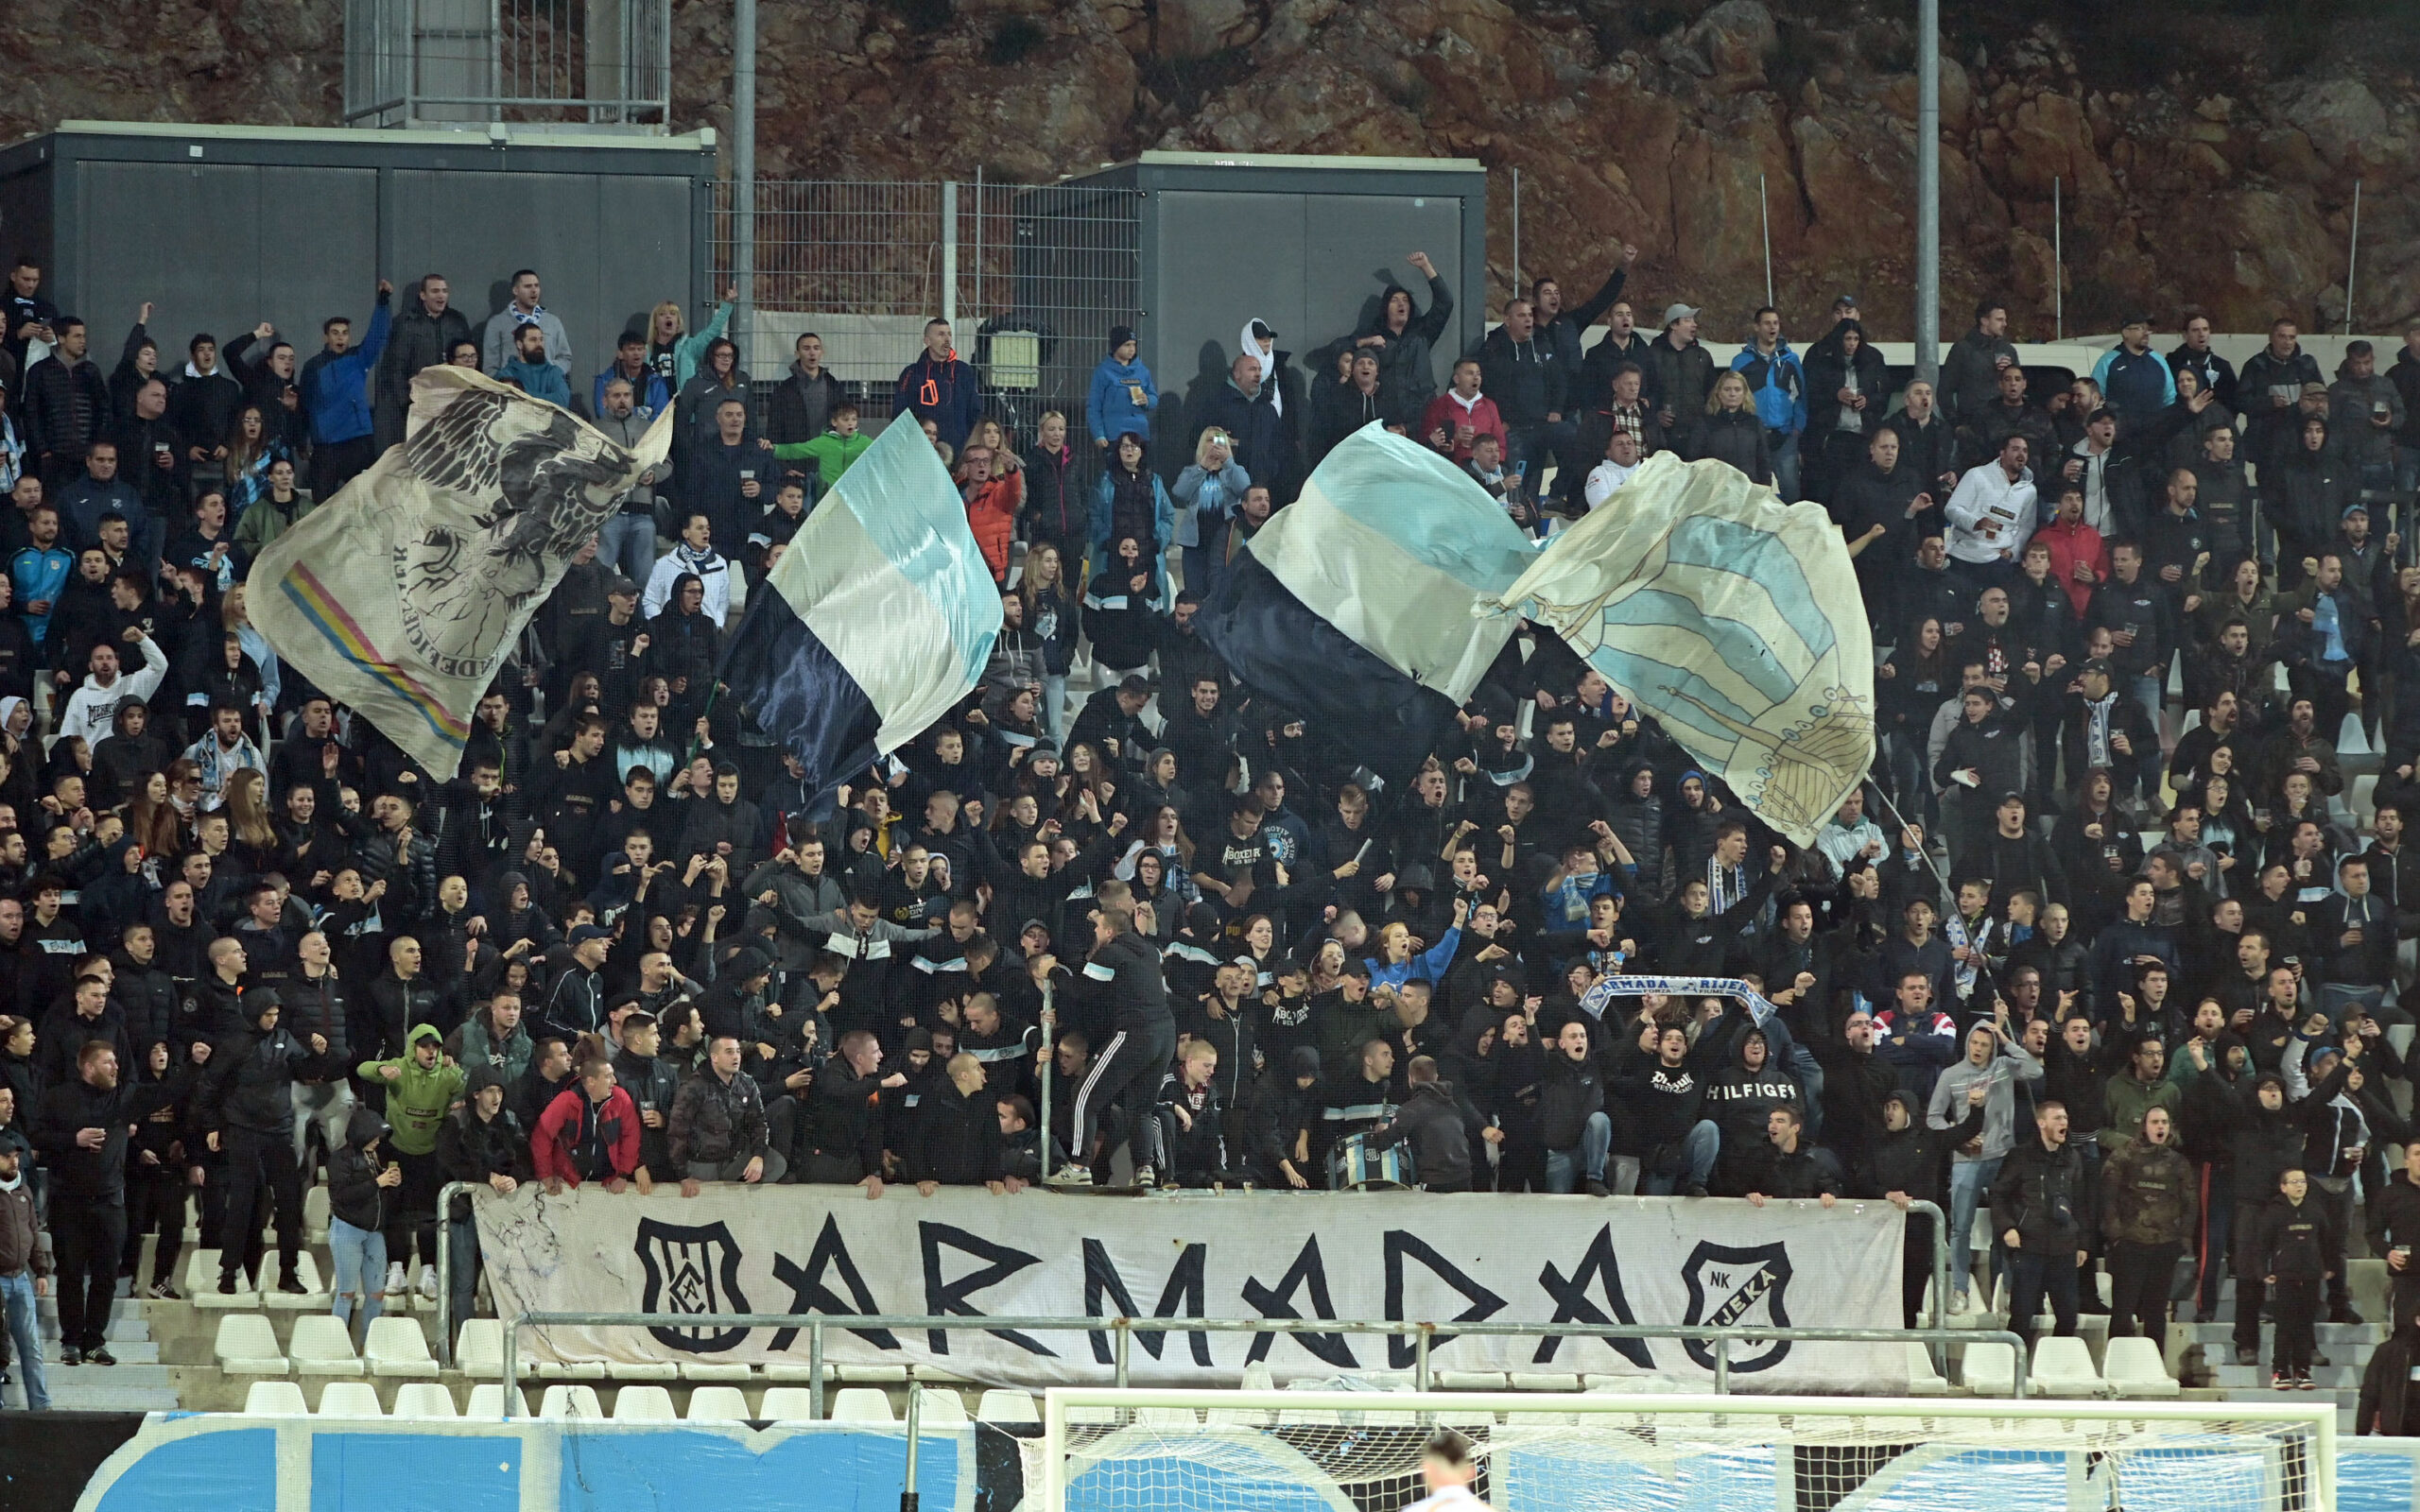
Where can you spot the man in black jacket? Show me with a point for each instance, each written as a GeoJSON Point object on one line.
{"type": "Point", "coordinates": [422, 334]}
{"type": "Point", "coordinates": [246, 1112]}
{"type": "Point", "coordinates": [1909, 1163]}
{"type": "Point", "coordinates": [1437, 1124]}
{"type": "Point", "coordinates": [482, 1140]}
{"type": "Point", "coordinates": [1526, 377]}
{"type": "Point", "coordinates": [953, 1138]}
{"type": "Point", "coordinates": [841, 1140]}
{"type": "Point", "coordinates": [66, 408]}
{"type": "Point", "coordinates": [80, 1129]}
{"type": "Point", "coordinates": [2042, 1206]}
{"type": "Point", "coordinates": [1120, 982]}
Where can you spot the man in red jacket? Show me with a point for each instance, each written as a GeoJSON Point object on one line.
{"type": "Point", "coordinates": [1455, 419]}
{"type": "Point", "coordinates": [992, 506]}
{"type": "Point", "coordinates": [590, 1133]}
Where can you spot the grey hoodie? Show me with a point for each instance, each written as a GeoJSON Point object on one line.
{"type": "Point", "coordinates": [2001, 1073]}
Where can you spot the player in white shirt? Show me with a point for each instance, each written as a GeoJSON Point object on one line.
{"type": "Point", "coordinates": [1448, 1471]}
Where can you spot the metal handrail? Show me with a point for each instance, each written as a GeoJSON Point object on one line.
{"type": "Point", "coordinates": [1420, 1332]}
{"type": "Point", "coordinates": [1938, 1336]}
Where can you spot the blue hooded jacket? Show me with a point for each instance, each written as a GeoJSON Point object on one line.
{"type": "Point", "coordinates": [1777, 383]}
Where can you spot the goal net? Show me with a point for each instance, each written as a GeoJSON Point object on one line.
{"type": "Point", "coordinates": [1140, 1451]}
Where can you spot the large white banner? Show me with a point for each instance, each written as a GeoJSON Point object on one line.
{"type": "Point", "coordinates": [1344, 1257]}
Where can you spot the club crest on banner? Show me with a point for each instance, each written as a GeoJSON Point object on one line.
{"type": "Point", "coordinates": [692, 1270]}
{"type": "Point", "coordinates": [1739, 1287]}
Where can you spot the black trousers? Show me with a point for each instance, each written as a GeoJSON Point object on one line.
{"type": "Point", "coordinates": [2033, 1276]}
{"type": "Point", "coordinates": [86, 1239]}
{"type": "Point", "coordinates": [1132, 1065]}
{"type": "Point", "coordinates": [155, 1198]}
{"type": "Point", "coordinates": [2249, 1290]}
{"type": "Point", "coordinates": [334, 463]}
{"type": "Point", "coordinates": [414, 1215]}
{"type": "Point", "coordinates": [255, 1161]}
{"type": "Point", "coordinates": [2139, 1278]}
{"type": "Point", "coordinates": [1915, 1269]}
{"type": "Point", "coordinates": [2297, 1306]}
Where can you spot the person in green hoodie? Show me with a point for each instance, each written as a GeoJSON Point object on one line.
{"type": "Point", "coordinates": [423, 1086]}
{"type": "Point", "coordinates": [833, 451]}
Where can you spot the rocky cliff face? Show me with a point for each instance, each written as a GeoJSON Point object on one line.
{"type": "Point", "coordinates": [2205, 153]}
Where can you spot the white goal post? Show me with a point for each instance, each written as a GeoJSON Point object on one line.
{"type": "Point", "coordinates": [1104, 1449]}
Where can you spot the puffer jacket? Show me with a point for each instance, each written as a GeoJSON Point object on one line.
{"type": "Point", "coordinates": [1737, 437]}
{"type": "Point", "coordinates": [2147, 1195]}
{"type": "Point", "coordinates": [2041, 1193]}
{"type": "Point", "coordinates": [250, 1080]}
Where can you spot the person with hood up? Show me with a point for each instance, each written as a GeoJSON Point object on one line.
{"type": "Point", "coordinates": [590, 1133]}
{"type": "Point", "coordinates": [2388, 1404]}
{"type": "Point", "coordinates": [2148, 1212]}
{"type": "Point", "coordinates": [362, 1186]}
{"type": "Point", "coordinates": [1909, 1162]}
{"type": "Point", "coordinates": [1777, 383]}
{"type": "Point", "coordinates": [246, 1110]}
{"type": "Point", "coordinates": [2267, 1139]}
{"type": "Point", "coordinates": [1997, 1064]}
{"type": "Point", "coordinates": [1122, 395]}
{"type": "Point", "coordinates": [2304, 490]}
{"type": "Point", "coordinates": [480, 1143]}
{"type": "Point", "coordinates": [1402, 339]}
{"type": "Point", "coordinates": [421, 1086]}
{"type": "Point", "coordinates": [1282, 1119]}
{"type": "Point", "coordinates": [1738, 1098]}
{"type": "Point", "coordinates": [1846, 393]}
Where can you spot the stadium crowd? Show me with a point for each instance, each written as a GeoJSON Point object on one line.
{"type": "Point", "coordinates": [2115, 969]}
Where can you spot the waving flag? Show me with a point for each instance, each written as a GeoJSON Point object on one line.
{"type": "Point", "coordinates": [402, 596]}
{"type": "Point", "coordinates": [1733, 619]}
{"type": "Point", "coordinates": [1357, 605]}
{"type": "Point", "coordinates": [878, 618]}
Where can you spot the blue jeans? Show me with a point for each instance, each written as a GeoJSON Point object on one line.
{"type": "Point", "coordinates": [1967, 1179]}
{"type": "Point", "coordinates": [2334, 996]}
{"type": "Point", "coordinates": [17, 1308]}
{"type": "Point", "coordinates": [1697, 1149]}
{"type": "Point", "coordinates": [1054, 709]}
{"type": "Point", "coordinates": [2151, 693]}
{"type": "Point", "coordinates": [628, 544]}
{"type": "Point", "coordinates": [360, 1256]}
{"type": "Point", "coordinates": [1783, 449]}
{"type": "Point", "coordinates": [1564, 1166]}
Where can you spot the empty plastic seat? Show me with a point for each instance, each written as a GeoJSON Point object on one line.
{"type": "Point", "coordinates": [478, 1351]}
{"type": "Point", "coordinates": [571, 1371]}
{"type": "Point", "coordinates": [1923, 1380]}
{"type": "Point", "coordinates": [312, 1299]}
{"type": "Point", "coordinates": [861, 1404]}
{"type": "Point", "coordinates": [315, 1214]}
{"type": "Point", "coordinates": [1258, 1377]}
{"type": "Point", "coordinates": [725, 1370]}
{"type": "Point", "coordinates": [2133, 1367]}
{"type": "Point", "coordinates": [202, 1285]}
{"type": "Point", "coordinates": [322, 1345]}
{"type": "Point", "coordinates": [2063, 1367]}
{"type": "Point", "coordinates": [396, 1346]}
{"type": "Point", "coordinates": [787, 1404]}
{"type": "Point", "coordinates": [1989, 1368]}
{"type": "Point", "coordinates": [940, 1407]}
{"type": "Point", "coordinates": [644, 1404]}
{"type": "Point", "coordinates": [423, 1399]}
{"type": "Point", "coordinates": [868, 1375]}
{"type": "Point", "coordinates": [1544, 1381]}
{"type": "Point", "coordinates": [247, 1345]}
{"type": "Point", "coordinates": [578, 1399]}
{"type": "Point", "coordinates": [350, 1399]}
{"type": "Point", "coordinates": [641, 1370]}
{"type": "Point", "coordinates": [716, 1404]}
{"type": "Point", "coordinates": [1470, 1381]}
{"type": "Point", "coordinates": [1003, 1405]}
{"type": "Point", "coordinates": [487, 1400]}
{"type": "Point", "coordinates": [793, 1372]}
{"type": "Point", "coordinates": [274, 1399]}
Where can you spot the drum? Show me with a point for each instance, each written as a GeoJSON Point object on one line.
{"type": "Point", "coordinates": [1354, 1165]}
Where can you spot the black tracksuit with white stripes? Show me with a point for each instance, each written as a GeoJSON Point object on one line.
{"type": "Point", "coordinates": [1121, 982]}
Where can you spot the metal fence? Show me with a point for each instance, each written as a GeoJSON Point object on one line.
{"type": "Point", "coordinates": [588, 63]}
{"type": "Point", "coordinates": [1030, 277]}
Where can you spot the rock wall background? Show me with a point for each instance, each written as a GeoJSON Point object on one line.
{"type": "Point", "coordinates": [2207, 151]}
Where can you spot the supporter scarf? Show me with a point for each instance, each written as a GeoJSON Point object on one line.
{"type": "Point", "coordinates": [2096, 730]}
{"type": "Point", "coordinates": [1725, 886]}
{"type": "Point", "coordinates": [1954, 928]}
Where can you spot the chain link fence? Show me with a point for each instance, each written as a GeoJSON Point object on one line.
{"type": "Point", "coordinates": [1030, 278]}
